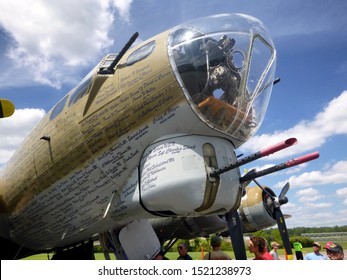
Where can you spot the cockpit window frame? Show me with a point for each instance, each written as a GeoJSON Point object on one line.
{"type": "Point", "coordinates": [256, 91]}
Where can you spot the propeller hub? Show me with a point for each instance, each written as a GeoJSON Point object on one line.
{"type": "Point", "coordinates": [283, 200]}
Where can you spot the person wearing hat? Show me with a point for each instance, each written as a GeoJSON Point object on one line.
{"type": "Point", "coordinates": [315, 255]}
{"type": "Point", "coordinates": [334, 251]}
{"type": "Point", "coordinates": [273, 252]}
{"type": "Point", "coordinates": [183, 252]}
{"type": "Point", "coordinates": [217, 253]}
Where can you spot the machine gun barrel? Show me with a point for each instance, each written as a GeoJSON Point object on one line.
{"type": "Point", "coordinates": [110, 69]}
{"type": "Point", "coordinates": [262, 153]}
{"type": "Point", "coordinates": [278, 167]}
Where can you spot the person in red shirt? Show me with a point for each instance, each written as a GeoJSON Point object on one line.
{"type": "Point", "coordinates": [257, 246]}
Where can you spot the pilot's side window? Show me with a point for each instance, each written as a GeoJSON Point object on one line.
{"type": "Point", "coordinates": [141, 53]}
{"type": "Point", "coordinates": [80, 91]}
{"type": "Point", "coordinates": [58, 108]}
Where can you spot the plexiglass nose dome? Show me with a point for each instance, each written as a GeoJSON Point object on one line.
{"type": "Point", "coordinates": [225, 65]}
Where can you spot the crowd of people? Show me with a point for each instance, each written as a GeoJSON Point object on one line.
{"type": "Point", "coordinates": [259, 247]}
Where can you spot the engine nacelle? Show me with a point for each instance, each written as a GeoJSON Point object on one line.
{"type": "Point", "coordinates": [256, 209]}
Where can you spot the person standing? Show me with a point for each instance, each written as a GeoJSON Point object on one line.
{"type": "Point", "coordinates": [257, 246]}
{"type": "Point", "coordinates": [315, 255]}
{"type": "Point", "coordinates": [298, 250]}
{"type": "Point", "coordinates": [217, 253]}
{"type": "Point", "coordinates": [334, 251]}
{"type": "Point", "coordinates": [273, 252]}
{"type": "Point", "coordinates": [183, 252]}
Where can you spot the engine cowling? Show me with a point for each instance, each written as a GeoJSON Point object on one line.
{"type": "Point", "coordinates": [256, 209]}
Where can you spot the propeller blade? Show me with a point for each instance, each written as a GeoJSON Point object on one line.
{"type": "Point", "coordinates": [236, 235]}
{"type": "Point", "coordinates": [264, 190]}
{"type": "Point", "coordinates": [284, 190]}
{"type": "Point", "coordinates": [283, 232]}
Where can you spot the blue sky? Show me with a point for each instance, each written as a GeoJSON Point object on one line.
{"type": "Point", "coordinates": [46, 48]}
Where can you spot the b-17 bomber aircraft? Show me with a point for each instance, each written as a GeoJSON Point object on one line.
{"type": "Point", "coordinates": [142, 150]}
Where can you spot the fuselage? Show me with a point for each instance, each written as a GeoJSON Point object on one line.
{"type": "Point", "coordinates": [140, 143]}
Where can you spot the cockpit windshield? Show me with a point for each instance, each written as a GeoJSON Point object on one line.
{"type": "Point", "coordinates": [225, 64]}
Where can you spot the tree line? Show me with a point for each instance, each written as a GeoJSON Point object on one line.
{"type": "Point", "coordinates": [273, 234]}
{"type": "Point", "coordinates": [295, 234]}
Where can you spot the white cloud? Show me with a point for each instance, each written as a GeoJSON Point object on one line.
{"type": "Point", "coordinates": [343, 212]}
{"type": "Point", "coordinates": [342, 193]}
{"type": "Point", "coordinates": [14, 129]}
{"type": "Point", "coordinates": [318, 205]}
{"type": "Point", "coordinates": [310, 134]}
{"type": "Point", "coordinates": [309, 194]}
{"type": "Point", "coordinates": [123, 7]}
{"type": "Point", "coordinates": [316, 219]}
{"type": "Point", "coordinates": [336, 174]}
{"type": "Point", "coordinates": [313, 215]}
{"type": "Point", "coordinates": [55, 38]}
{"type": "Point", "coordinates": [307, 210]}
